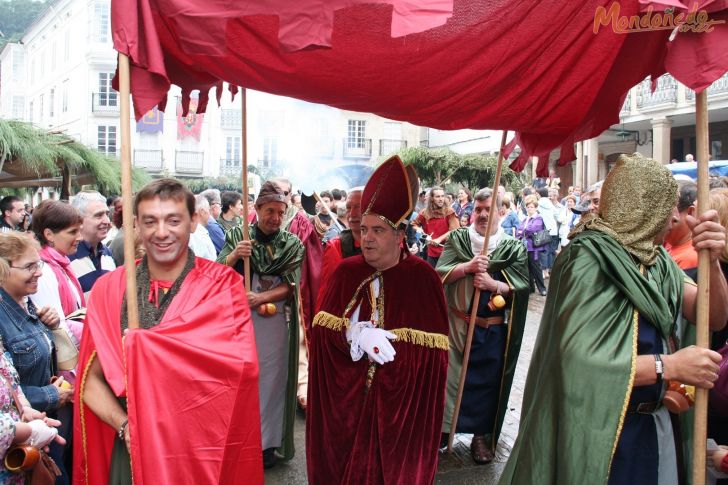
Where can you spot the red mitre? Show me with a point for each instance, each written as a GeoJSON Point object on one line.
{"type": "Point", "coordinates": [391, 192]}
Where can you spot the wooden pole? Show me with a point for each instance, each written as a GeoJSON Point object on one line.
{"type": "Point", "coordinates": [700, 426]}
{"type": "Point", "coordinates": [476, 297]}
{"type": "Point", "coordinates": [132, 306]}
{"type": "Point", "coordinates": [244, 154]}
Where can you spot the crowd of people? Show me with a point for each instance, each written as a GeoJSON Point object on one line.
{"type": "Point", "coordinates": [354, 308]}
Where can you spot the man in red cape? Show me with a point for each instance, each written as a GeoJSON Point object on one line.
{"type": "Point", "coordinates": [180, 394]}
{"type": "Point", "coordinates": [379, 348]}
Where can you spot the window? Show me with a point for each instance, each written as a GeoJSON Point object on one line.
{"type": "Point", "coordinates": [18, 107]}
{"type": "Point", "coordinates": [64, 97]}
{"type": "Point", "coordinates": [54, 56]}
{"type": "Point", "coordinates": [356, 134]}
{"type": "Point", "coordinates": [101, 22]}
{"type": "Point", "coordinates": [30, 112]}
{"type": "Point", "coordinates": [17, 66]}
{"type": "Point", "coordinates": [67, 45]}
{"type": "Point", "coordinates": [42, 64]}
{"type": "Point", "coordinates": [392, 130]}
{"type": "Point", "coordinates": [270, 151]}
{"type": "Point", "coordinates": [107, 139]}
{"type": "Point", "coordinates": [40, 107]}
{"type": "Point", "coordinates": [32, 71]}
{"type": "Point", "coordinates": [107, 95]}
{"type": "Point", "coordinates": [232, 150]}
{"type": "Point", "coordinates": [52, 103]}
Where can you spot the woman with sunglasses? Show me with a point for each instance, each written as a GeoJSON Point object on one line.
{"type": "Point", "coordinates": [25, 330]}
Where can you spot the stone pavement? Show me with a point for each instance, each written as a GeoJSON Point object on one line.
{"type": "Point", "coordinates": [457, 468]}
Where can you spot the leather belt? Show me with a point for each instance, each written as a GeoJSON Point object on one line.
{"type": "Point", "coordinates": [643, 407]}
{"type": "Point", "coordinates": [484, 322]}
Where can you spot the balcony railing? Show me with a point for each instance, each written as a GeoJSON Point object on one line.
{"type": "Point", "coordinates": [188, 162]}
{"type": "Point", "coordinates": [231, 118]}
{"type": "Point", "coordinates": [357, 147]}
{"type": "Point", "coordinates": [627, 106]}
{"type": "Point", "coordinates": [665, 94]}
{"type": "Point", "coordinates": [149, 160]}
{"type": "Point", "coordinates": [387, 147]}
{"type": "Point", "coordinates": [105, 103]}
{"type": "Point", "coordinates": [230, 167]}
{"type": "Point", "coordinates": [719, 87]}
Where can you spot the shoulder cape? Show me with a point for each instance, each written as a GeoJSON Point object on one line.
{"type": "Point", "coordinates": [390, 430]}
{"type": "Point", "coordinates": [282, 257]}
{"type": "Point", "coordinates": [584, 360]}
{"type": "Point", "coordinates": [191, 384]}
{"type": "Point", "coordinates": [511, 258]}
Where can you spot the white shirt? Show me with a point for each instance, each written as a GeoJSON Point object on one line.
{"type": "Point", "coordinates": [201, 244]}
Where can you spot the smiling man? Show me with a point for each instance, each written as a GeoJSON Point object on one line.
{"type": "Point", "coordinates": [378, 358]}
{"type": "Point", "coordinates": [502, 271]}
{"type": "Point", "coordinates": [275, 266]}
{"type": "Point", "coordinates": [151, 392]}
{"type": "Point", "coordinates": [92, 259]}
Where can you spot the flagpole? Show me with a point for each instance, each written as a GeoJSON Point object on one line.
{"type": "Point", "coordinates": [476, 296]}
{"type": "Point", "coordinates": [244, 141]}
{"type": "Point", "coordinates": [700, 425]}
{"type": "Point", "coordinates": [132, 306]}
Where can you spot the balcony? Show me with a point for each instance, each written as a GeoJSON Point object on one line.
{"type": "Point", "coordinates": [188, 162]}
{"type": "Point", "coordinates": [718, 88]}
{"type": "Point", "coordinates": [230, 167]}
{"type": "Point", "coordinates": [267, 163]}
{"type": "Point", "coordinates": [357, 148]}
{"type": "Point", "coordinates": [664, 96]}
{"type": "Point", "coordinates": [105, 103]}
{"type": "Point", "coordinates": [231, 119]}
{"type": "Point", "coordinates": [387, 147]}
{"type": "Point", "coordinates": [149, 160]}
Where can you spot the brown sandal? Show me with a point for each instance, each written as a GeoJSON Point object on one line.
{"type": "Point", "coordinates": [480, 451]}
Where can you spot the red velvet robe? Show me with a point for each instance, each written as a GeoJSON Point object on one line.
{"type": "Point", "coordinates": [191, 384]}
{"type": "Point", "coordinates": [311, 269]}
{"type": "Point", "coordinates": [390, 433]}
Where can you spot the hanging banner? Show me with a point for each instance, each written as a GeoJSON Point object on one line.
{"type": "Point", "coordinates": [152, 122]}
{"type": "Point", "coordinates": [190, 125]}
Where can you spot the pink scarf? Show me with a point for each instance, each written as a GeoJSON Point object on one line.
{"type": "Point", "coordinates": [60, 265]}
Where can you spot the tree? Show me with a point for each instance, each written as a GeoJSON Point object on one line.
{"type": "Point", "coordinates": [16, 16]}
{"type": "Point", "coordinates": [442, 166]}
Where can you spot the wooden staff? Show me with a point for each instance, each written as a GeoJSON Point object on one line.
{"type": "Point", "coordinates": [476, 296]}
{"type": "Point", "coordinates": [700, 426]}
{"type": "Point", "coordinates": [244, 141]}
{"type": "Point", "coordinates": [132, 306]}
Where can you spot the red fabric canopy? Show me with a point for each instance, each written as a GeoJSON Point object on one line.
{"type": "Point", "coordinates": [533, 66]}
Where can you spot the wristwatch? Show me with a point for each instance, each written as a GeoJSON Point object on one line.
{"type": "Point", "coordinates": [122, 430]}
{"type": "Point", "coordinates": [658, 367]}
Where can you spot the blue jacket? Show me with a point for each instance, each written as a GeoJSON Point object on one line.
{"type": "Point", "coordinates": [510, 223]}
{"type": "Point", "coordinates": [30, 345]}
{"type": "Point", "coordinates": [217, 235]}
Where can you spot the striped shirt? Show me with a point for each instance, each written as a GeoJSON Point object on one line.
{"type": "Point", "coordinates": [88, 267]}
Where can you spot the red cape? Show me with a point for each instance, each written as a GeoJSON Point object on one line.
{"type": "Point", "coordinates": [191, 384]}
{"type": "Point", "coordinates": [390, 433]}
{"type": "Point", "coordinates": [311, 269]}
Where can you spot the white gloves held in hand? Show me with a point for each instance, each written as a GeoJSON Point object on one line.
{"type": "Point", "coordinates": [40, 434]}
{"type": "Point", "coordinates": [372, 341]}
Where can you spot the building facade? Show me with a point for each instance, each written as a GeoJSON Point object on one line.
{"type": "Point", "coordinates": [60, 78]}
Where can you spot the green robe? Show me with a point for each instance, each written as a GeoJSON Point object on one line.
{"type": "Point", "coordinates": [511, 258]}
{"type": "Point", "coordinates": [584, 361]}
{"type": "Point", "coordinates": [282, 257]}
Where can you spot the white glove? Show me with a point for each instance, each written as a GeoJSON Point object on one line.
{"type": "Point", "coordinates": [375, 342]}
{"type": "Point", "coordinates": [40, 434]}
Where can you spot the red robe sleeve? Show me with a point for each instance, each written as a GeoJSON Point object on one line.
{"type": "Point", "coordinates": [191, 384]}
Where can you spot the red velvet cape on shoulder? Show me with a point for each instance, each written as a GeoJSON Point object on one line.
{"type": "Point", "coordinates": [191, 384]}
{"type": "Point", "coordinates": [389, 433]}
{"type": "Point", "coordinates": [311, 269]}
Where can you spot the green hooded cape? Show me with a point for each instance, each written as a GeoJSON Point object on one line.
{"type": "Point", "coordinates": [282, 257]}
{"type": "Point", "coordinates": [511, 258]}
{"type": "Point", "coordinates": [584, 361]}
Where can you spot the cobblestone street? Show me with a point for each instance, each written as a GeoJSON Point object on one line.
{"type": "Point", "coordinates": [457, 468]}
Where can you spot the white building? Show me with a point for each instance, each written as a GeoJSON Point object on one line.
{"type": "Point", "coordinates": [59, 78]}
